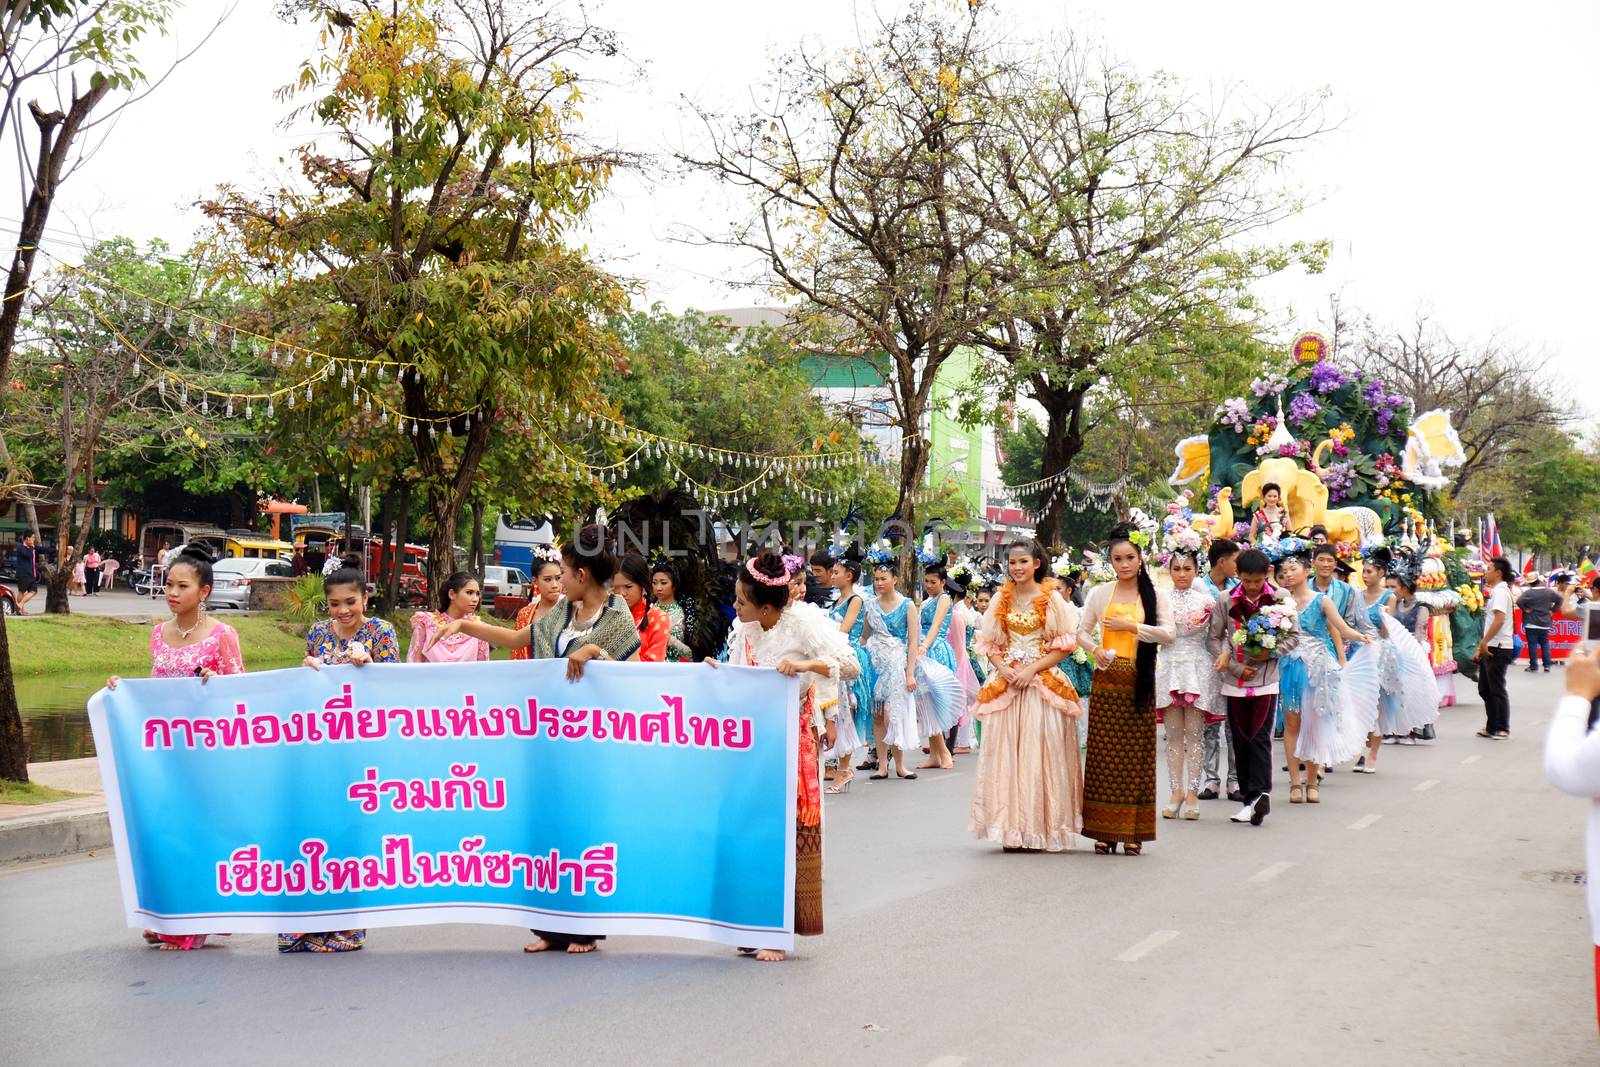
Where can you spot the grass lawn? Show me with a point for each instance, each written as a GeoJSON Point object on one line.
{"type": "Point", "coordinates": [66, 644]}
{"type": "Point", "coordinates": [49, 645]}
{"type": "Point", "coordinates": [31, 793]}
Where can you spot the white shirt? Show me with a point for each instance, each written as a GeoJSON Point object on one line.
{"type": "Point", "coordinates": [1572, 763]}
{"type": "Point", "coordinates": [1499, 600]}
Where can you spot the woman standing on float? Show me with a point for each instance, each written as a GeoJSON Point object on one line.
{"type": "Point", "coordinates": [1029, 791]}
{"type": "Point", "coordinates": [771, 631]}
{"type": "Point", "coordinates": [1123, 622]}
{"type": "Point", "coordinates": [582, 627]}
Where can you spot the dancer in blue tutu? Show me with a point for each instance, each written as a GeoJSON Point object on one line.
{"type": "Point", "coordinates": [915, 696]}
{"type": "Point", "coordinates": [849, 611]}
{"type": "Point", "coordinates": [1323, 725]}
{"type": "Point", "coordinates": [937, 610]}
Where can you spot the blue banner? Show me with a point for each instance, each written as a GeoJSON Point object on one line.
{"type": "Point", "coordinates": [643, 799]}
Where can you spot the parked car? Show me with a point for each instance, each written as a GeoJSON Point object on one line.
{"type": "Point", "coordinates": [503, 580]}
{"type": "Point", "coordinates": [231, 578]}
{"type": "Point", "coordinates": [8, 600]}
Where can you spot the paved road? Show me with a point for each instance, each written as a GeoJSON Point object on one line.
{"type": "Point", "coordinates": [1426, 914]}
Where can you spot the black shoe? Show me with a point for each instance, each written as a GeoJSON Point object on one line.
{"type": "Point", "coordinates": [867, 765]}
{"type": "Point", "coordinates": [1263, 806]}
{"type": "Point", "coordinates": [1236, 796]}
{"type": "Point", "coordinates": [1277, 735]}
{"type": "Point", "coordinates": [1208, 794]}
{"type": "Point", "coordinates": [1533, 670]}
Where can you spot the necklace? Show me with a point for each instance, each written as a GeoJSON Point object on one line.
{"type": "Point", "coordinates": [183, 635]}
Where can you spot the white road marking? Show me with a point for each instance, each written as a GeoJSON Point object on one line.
{"type": "Point", "coordinates": [1147, 946]}
{"type": "Point", "coordinates": [1426, 783]}
{"type": "Point", "coordinates": [1364, 822]}
{"type": "Point", "coordinates": [1267, 874]}
{"type": "Point", "coordinates": [1471, 759]}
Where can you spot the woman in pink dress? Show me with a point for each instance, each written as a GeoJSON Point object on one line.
{"type": "Point", "coordinates": [457, 600]}
{"type": "Point", "coordinates": [190, 645]}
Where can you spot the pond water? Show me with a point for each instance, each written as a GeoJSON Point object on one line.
{"type": "Point", "coordinates": [55, 713]}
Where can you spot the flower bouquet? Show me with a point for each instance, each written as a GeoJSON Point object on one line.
{"type": "Point", "coordinates": [1261, 635]}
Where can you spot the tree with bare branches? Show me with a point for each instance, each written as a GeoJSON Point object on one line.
{"type": "Point", "coordinates": [1502, 404]}
{"type": "Point", "coordinates": [856, 173]}
{"type": "Point", "coordinates": [1132, 214]}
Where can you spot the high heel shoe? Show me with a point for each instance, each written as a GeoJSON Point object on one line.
{"type": "Point", "coordinates": [840, 785]}
{"type": "Point", "coordinates": [1191, 813]}
{"type": "Point", "coordinates": [1171, 811]}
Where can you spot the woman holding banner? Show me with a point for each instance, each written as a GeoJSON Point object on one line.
{"type": "Point", "coordinates": [189, 645]}
{"type": "Point", "coordinates": [770, 632]}
{"type": "Point", "coordinates": [583, 627]}
{"type": "Point", "coordinates": [347, 635]}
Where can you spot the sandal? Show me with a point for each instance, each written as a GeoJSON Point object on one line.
{"type": "Point", "coordinates": [1104, 848]}
{"type": "Point", "coordinates": [1170, 811]}
{"type": "Point", "coordinates": [1313, 795]}
{"type": "Point", "coordinates": [1132, 848]}
{"type": "Point", "coordinates": [841, 785]}
{"type": "Point", "coordinates": [1297, 794]}
{"type": "Point", "coordinates": [1192, 813]}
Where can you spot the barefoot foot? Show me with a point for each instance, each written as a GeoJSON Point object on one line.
{"type": "Point", "coordinates": [771, 955]}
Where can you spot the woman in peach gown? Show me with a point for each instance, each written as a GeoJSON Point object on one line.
{"type": "Point", "coordinates": [1029, 791]}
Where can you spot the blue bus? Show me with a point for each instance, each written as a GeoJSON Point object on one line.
{"type": "Point", "coordinates": [514, 540]}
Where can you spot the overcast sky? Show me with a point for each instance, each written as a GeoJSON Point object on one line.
{"type": "Point", "coordinates": [1462, 182]}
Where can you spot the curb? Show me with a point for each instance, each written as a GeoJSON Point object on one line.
{"type": "Point", "coordinates": [37, 837]}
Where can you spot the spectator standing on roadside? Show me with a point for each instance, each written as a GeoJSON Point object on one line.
{"type": "Point", "coordinates": [1538, 604]}
{"type": "Point", "coordinates": [1494, 652]}
{"type": "Point", "coordinates": [27, 572]}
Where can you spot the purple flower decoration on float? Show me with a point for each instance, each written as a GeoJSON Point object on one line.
{"type": "Point", "coordinates": [1325, 377]}
{"type": "Point", "coordinates": [1234, 413]}
{"type": "Point", "coordinates": [1304, 407]}
{"type": "Point", "coordinates": [1271, 385]}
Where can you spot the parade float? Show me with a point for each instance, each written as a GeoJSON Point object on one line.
{"type": "Point", "coordinates": [1348, 454]}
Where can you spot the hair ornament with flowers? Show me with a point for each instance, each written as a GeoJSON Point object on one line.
{"type": "Point", "coordinates": [880, 552]}
{"type": "Point", "coordinates": [793, 564]}
{"type": "Point", "coordinates": [765, 579]}
{"type": "Point", "coordinates": [550, 553]}
{"type": "Point", "coordinates": [962, 570]}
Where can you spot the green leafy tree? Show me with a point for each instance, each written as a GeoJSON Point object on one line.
{"type": "Point", "coordinates": [1551, 502]}
{"type": "Point", "coordinates": [429, 234]}
{"type": "Point", "coordinates": [109, 375]}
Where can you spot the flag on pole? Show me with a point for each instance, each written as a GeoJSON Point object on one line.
{"type": "Point", "coordinates": [1585, 569]}
{"type": "Point", "coordinates": [1491, 538]}
{"type": "Point", "coordinates": [1527, 568]}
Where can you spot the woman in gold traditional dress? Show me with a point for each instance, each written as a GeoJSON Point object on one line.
{"type": "Point", "coordinates": [1028, 792]}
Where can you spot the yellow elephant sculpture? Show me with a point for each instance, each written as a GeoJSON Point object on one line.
{"type": "Point", "coordinates": [1305, 497]}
